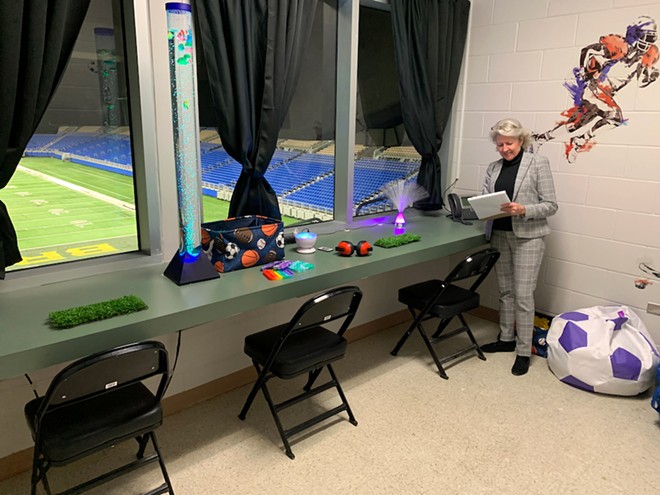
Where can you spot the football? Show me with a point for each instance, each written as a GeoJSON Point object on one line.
{"type": "Point", "coordinates": [270, 256]}
{"type": "Point", "coordinates": [244, 234]}
{"type": "Point", "coordinates": [605, 349]}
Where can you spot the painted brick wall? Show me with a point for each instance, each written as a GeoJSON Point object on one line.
{"type": "Point", "coordinates": [518, 57]}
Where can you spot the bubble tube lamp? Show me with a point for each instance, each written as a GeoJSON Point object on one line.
{"type": "Point", "coordinates": [189, 264]}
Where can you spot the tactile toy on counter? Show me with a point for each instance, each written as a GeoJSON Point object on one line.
{"type": "Point", "coordinates": [279, 270]}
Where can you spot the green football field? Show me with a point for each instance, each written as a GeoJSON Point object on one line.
{"type": "Point", "coordinates": [64, 211]}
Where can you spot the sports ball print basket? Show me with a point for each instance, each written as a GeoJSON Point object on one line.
{"type": "Point", "coordinates": [243, 242]}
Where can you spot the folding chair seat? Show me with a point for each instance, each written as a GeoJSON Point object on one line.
{"type": "Point", "coordinates": [304, 346]}
{"type": "Point", "coordinates": [442, 300]}
{"type": "Point", "coordinates": [96, 403]}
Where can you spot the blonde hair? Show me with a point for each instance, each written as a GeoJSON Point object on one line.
{"type": "Point", "coordinates": [511, 128]}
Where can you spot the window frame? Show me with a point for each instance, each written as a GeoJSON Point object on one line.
{"type": "Point", "coordinates": [142, 116]}
{"type": "Point", "coordinates": [152, 141]}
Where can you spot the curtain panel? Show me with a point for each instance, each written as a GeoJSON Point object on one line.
{"type": "Point", "coordinates": [253, 53]}
{"type": "Point", "coordinates": [429, 41]}
{"type": "Point", "coordinates": [37, 40]}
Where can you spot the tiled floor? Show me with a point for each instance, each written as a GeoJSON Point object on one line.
{"type": "Point", "coordinates": [482, 431]}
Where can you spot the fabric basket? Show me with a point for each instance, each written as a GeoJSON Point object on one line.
{"type": "Point", "coordinates": [540, 335]}
{"type": "Point", "coordinates": [243, 242]}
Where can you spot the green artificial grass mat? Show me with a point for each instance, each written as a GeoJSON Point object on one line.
{"type": "Point", "coordinates": [68, 318]}
{"type": "Point", "coordinates": [397, 240]}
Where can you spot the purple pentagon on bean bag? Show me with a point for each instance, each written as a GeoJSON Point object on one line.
{"type": "Point", "coordinates": [571, 380]}
{"type": "Point", "coordinates": [574, 316]}
{"type": "Point", "coordinates": [573, 337]}
{"type": "Point", "coordinates": [625, 365]}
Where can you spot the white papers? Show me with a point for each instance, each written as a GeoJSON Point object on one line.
{"type": "Point", "coordinates": [487, 206]}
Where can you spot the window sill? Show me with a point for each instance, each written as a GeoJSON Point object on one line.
{"type": "Point", "coordinates": [27, 343]}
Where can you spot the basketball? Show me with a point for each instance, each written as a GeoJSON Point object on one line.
{"type": "Point", "coordinates": [270, 229]}
{"type": "Point", "coordinates": [249, 258]}
{"type": "Point", "coordinates": [219, 266]}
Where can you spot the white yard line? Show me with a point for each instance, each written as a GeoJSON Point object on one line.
{"type": "Point", "coordinates": [80, 189]}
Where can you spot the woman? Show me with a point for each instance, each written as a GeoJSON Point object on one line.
{"type": "Point", "coordinates": [519, 236]}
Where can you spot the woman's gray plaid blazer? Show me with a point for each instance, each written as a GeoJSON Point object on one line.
{"type": "Point", "coordinates": [534, 188]}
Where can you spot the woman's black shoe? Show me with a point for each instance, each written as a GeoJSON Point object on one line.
{"type": "Point", "coordinates": [520, 366]}
{"type": "Point", "coordinates": [499, 346]}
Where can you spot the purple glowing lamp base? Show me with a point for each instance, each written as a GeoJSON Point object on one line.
{"type": "Point", "coordinates": [399, 224]}
{"type": "Point", "coordinates": [188, 269]}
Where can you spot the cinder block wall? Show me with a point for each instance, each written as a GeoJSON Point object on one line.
{"type": "Point", "coordinates": [518, 58]}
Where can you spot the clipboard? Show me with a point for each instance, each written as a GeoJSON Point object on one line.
{"type": "Point", "coordinates": [487, 206]}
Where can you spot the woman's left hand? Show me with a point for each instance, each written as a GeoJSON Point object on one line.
{"type": "Point", "coordinates": [513, 209]}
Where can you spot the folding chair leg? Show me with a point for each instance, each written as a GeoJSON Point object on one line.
{"type": "Point", "coordinates": [274, 408]}
{"type": "Point", "coordinates": [417, 323]}
{"type": "Point", "coordinates": [313, 375]}
{"type": "Point", "coordinates": [142, 445]}
{"type": "Point", "coordinates": [34, 479]}
{"type": "Point", "coordinates": [351, 417]}
{"type": "Point", "coordinates": [166, 477]}
{"type": "Point", "coordinates": [441, 326]}
{"type": "Point", "coordinates": [261, 379]}
{"type": "Point", "coordinates": [472, 339]}
{"type": "Point", "coordinates": [249, 400]}
{"type": "Point", "coordinates": [405, 336]}
{"type": "Point", "coordinates": [402, 340]}
{"type": "Point", "coordinates": [39, 475]}
{"type": "Point", "coordinates": [278, 423]}
{"type": "Point", "coordinates": [429, 346]}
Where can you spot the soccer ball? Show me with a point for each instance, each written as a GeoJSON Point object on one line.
{"type": "Point", "coordinates": [280, 240]}
{"type": "Point", "coordinates": [605, 349]}
{"type": "Point", "coordinates": [231, 250]}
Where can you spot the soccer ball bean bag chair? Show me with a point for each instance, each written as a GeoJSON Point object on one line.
{"type": "Point", "coordinates": [604, 349]}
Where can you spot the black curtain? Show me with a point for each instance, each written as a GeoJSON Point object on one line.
{"type": "Point", "coordinates": [253, 51]}
{"type": "Point", "coordinates": [377, 80]}
{"type": "Point", "coordinates": [429, 40]}
{"type": "Point", "coordinates": [35, 46]}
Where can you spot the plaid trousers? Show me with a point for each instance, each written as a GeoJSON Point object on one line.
{"type": "Point", "coordinates": [517, 271]}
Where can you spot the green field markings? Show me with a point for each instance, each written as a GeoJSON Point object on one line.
{"type": "Point", "coordinates": [78, 188]}
{"type": "Point", "coordinates": [116, 185]}
{"type": "Point", "coordinates": [63, 211]}
{"type": "Point", "coordinates": [71, 251]}
{"type": "Point", "coordinates": [47, 213]}
{"type": "Point", "coordinates": [214, 209]}
{"type": "Point", "coordinates": [102, 181]}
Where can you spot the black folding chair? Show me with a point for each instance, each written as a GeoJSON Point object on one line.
{"type": "Point", "coordinates": [95, 403]}
{"type": "Point", "coordinates": [444, 300]}
{"type": "Point", "coordinates": [302, 346]}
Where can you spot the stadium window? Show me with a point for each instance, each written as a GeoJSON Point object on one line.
{"type": "Point", "coordinates": [383, 152]}
{"type": "Point", "coordinates": [73, 195]}
{"type": "Point", "coordinates": [301, 171]}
